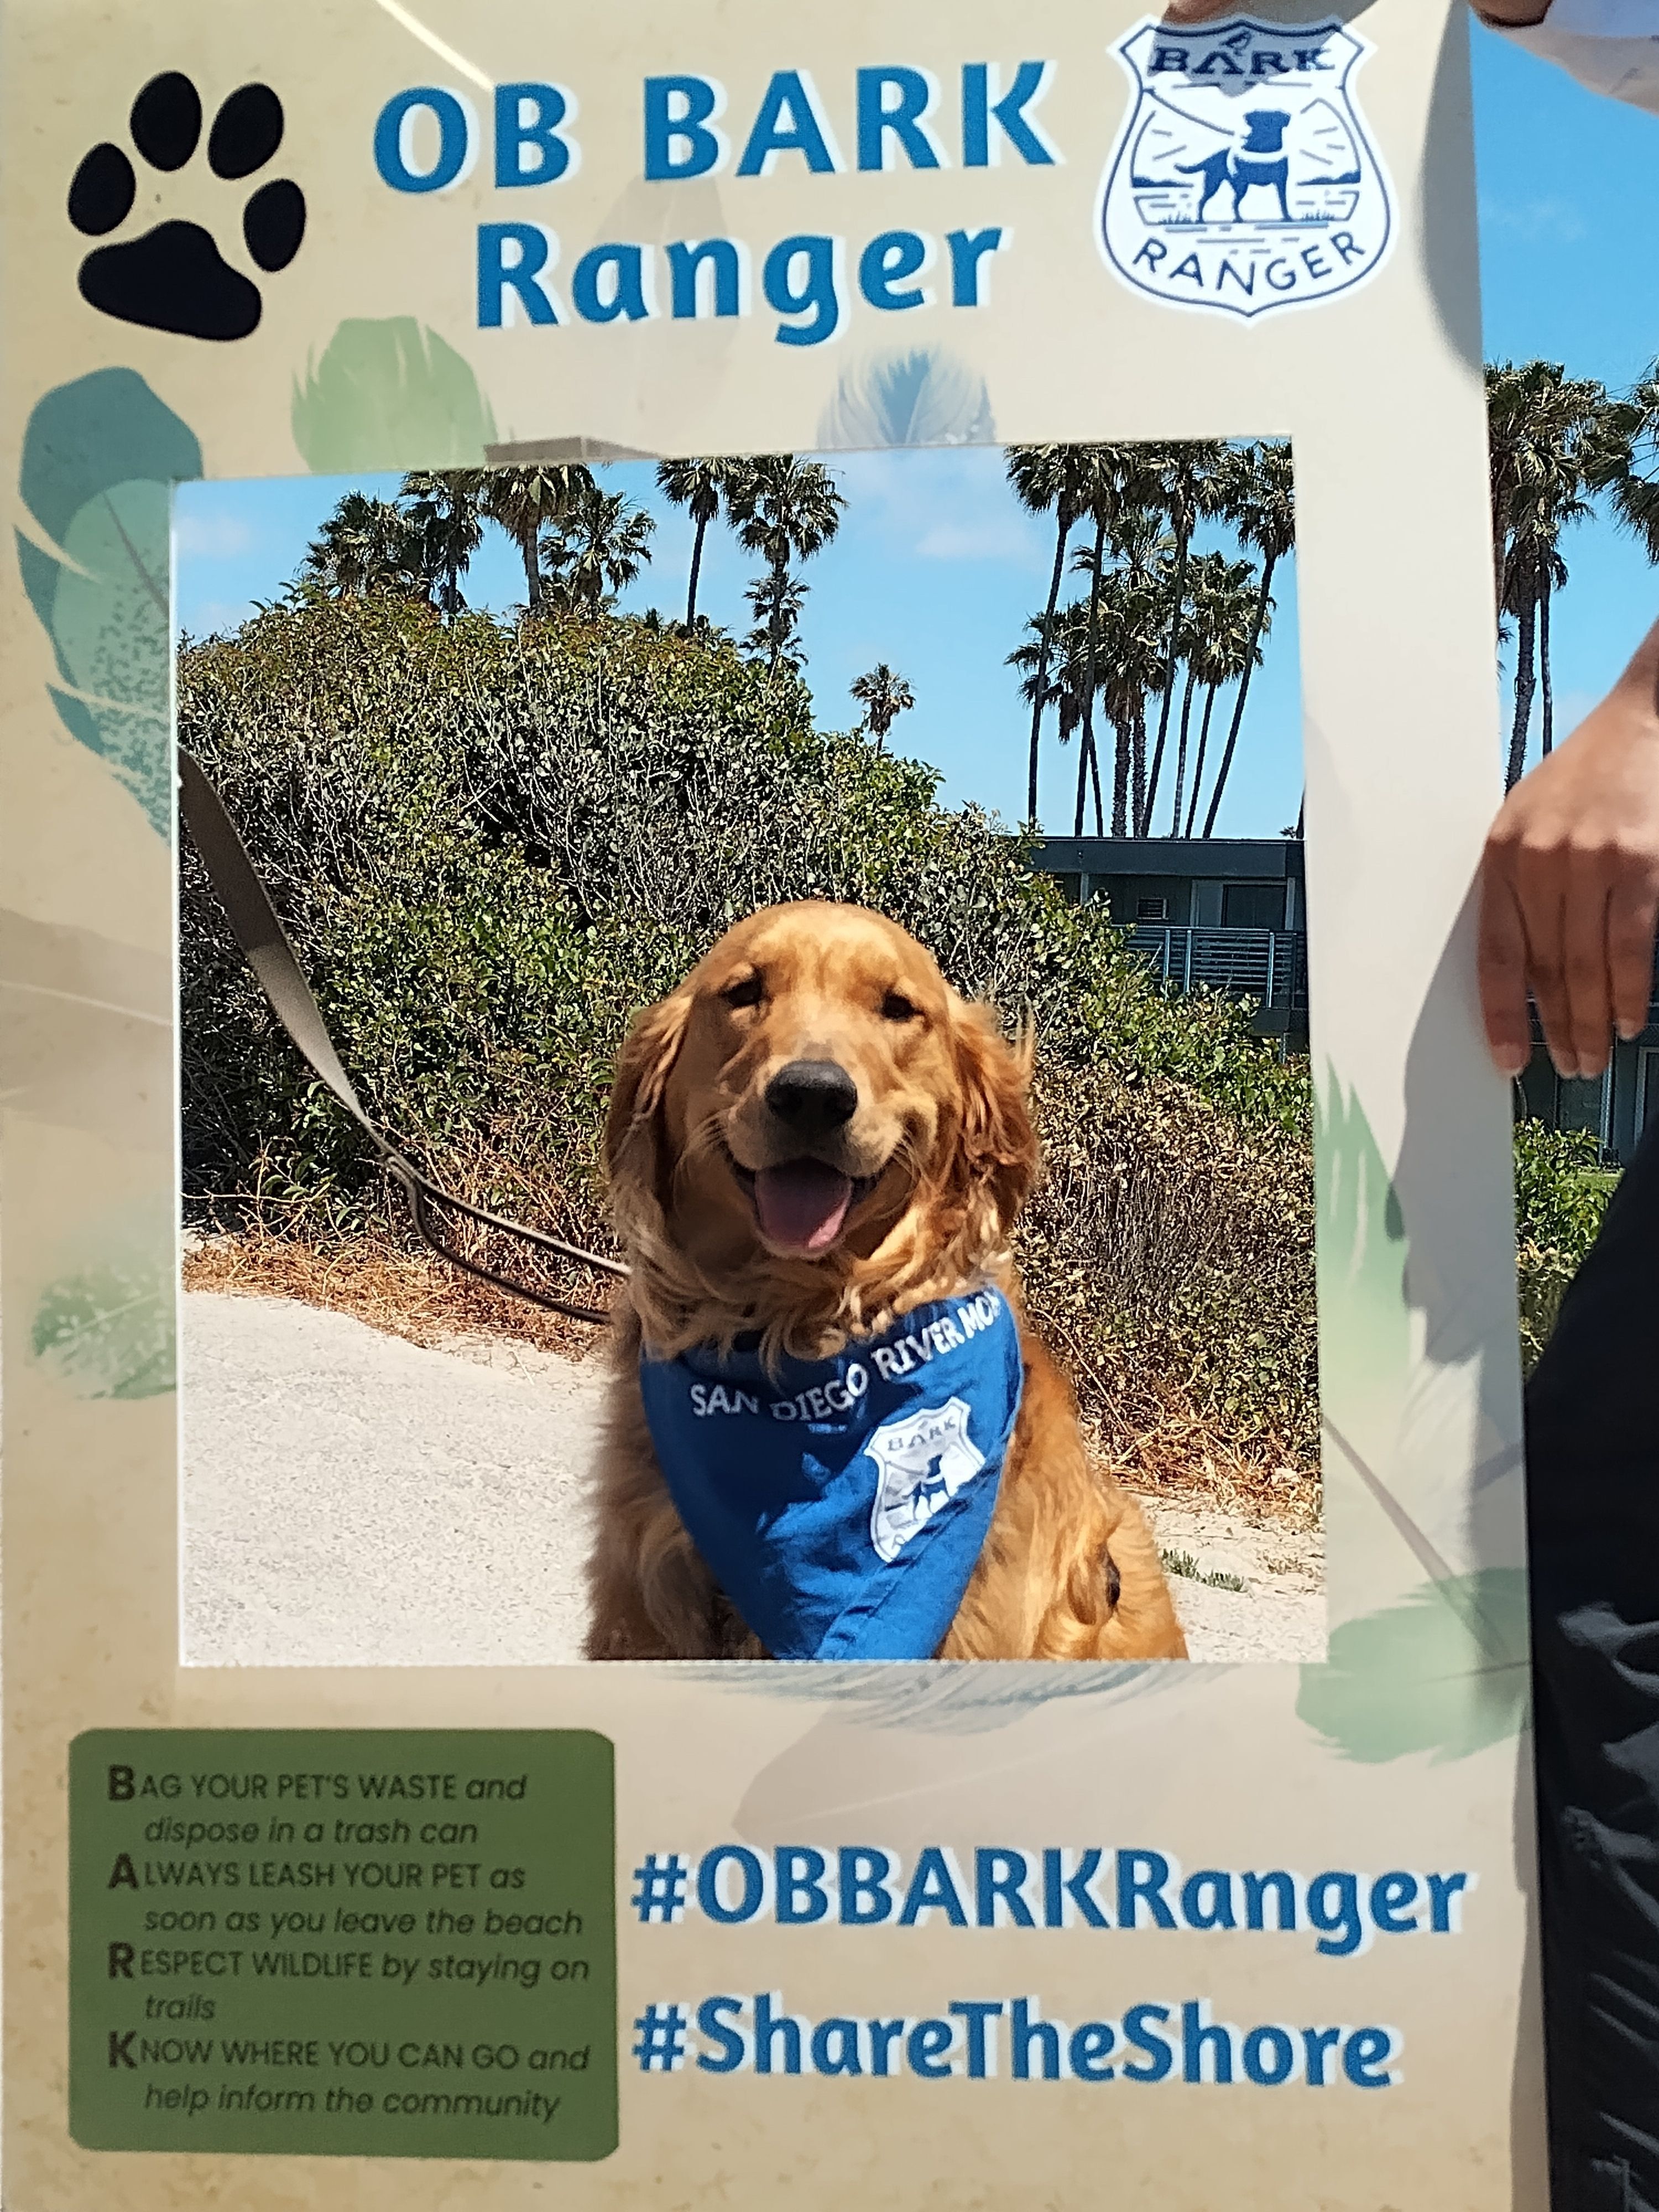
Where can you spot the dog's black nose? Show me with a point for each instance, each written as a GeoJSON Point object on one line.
{"type": "Point", "coordinates": [812, 1097]}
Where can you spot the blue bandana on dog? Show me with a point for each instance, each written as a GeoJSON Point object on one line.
{"type": "Point", "coordinates": [841, 1503]}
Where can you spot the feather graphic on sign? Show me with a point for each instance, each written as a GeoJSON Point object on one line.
{"type": "Point", "coordinates": [1444, 1670]}
{"type": "Point", "coordinates": [921, 396]}
{"type": "Point", "coordinates": [100, 457]}
{"type": "Point", "coordinates": [390, 395]}
{"type": "Point", "coordinates": [1413, 1678]}
{"type": "Point", "coordinates": [104, 1327]}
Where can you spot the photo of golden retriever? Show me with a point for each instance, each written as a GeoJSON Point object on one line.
{"type": "Point", "coordinates": [812, 1137]}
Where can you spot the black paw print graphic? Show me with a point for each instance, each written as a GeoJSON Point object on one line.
{"type": "Point", "coordinates": [175, 277]}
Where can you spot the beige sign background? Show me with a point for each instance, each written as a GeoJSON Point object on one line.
{"type": "Point", "coordinates": [1407, 1750]}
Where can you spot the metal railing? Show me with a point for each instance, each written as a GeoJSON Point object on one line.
{"type": "Point", "coordinates": [1268, 965]}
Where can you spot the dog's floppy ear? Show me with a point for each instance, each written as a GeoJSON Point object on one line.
{"type": "Point", "coordinates": [643, 1066]}
{"type": "Point", "coordinates": [998, 1146]}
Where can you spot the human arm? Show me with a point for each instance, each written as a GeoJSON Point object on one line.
{"type": "Point", "coordinates": [1570, 886]}
{"type": "Point", "coordinates": [1521, 14]}
{"type": "Point", "coordinates": [1611, 46]}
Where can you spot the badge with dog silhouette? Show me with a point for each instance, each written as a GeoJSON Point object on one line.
{"type": "Point", "coordinates": [1242, 179]}
{"type": "Point", "coordinates": [924, 1460]}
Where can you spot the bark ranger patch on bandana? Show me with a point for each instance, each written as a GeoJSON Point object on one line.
{"type": "Point", "coordinates": [1242, 179]}
{"type": "Point", "coordinates": [841, 1503]}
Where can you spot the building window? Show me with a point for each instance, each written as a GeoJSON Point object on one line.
{"type": "Point", "coordinates": [1585, 1105]}
{"type": "Point", "coordinates": [1647, 1089]}
{"type": "Point", "coordinates": [1253, 906]}
{"type": "Point", "coordinates": [1152, 909]}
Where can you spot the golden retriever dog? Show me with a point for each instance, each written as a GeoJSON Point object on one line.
{"type": "Point", "coordinates": [814, 1135]}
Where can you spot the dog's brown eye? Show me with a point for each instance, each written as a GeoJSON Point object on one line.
{"type": "Point", "coordinates": [747, 993]}
{"type": "Point", "coordinates": [895, 1008]}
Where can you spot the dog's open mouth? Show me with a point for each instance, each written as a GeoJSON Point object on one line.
{"type": "Point", "coordinates": [802, 1206]}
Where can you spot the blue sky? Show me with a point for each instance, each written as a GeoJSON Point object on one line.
{"type": "Point", "coordinates": [1569, 197]}
{"type": "Point", "coordinates": [936, 568]}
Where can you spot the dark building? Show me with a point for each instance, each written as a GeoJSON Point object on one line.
{"type": "Point", "coordinates": [1614, 1107]}
{"type": "Point", "coordinates": [1231, 912]}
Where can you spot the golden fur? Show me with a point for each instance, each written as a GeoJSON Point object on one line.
{"type": "Point", "coordinates": [941, 1155]}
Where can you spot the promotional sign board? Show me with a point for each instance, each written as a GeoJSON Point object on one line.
{"type": "Point", "coordinates": [1010, 1932]}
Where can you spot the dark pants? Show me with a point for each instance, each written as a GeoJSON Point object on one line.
{"type": "Point", "coordinates": [1593, 1482]}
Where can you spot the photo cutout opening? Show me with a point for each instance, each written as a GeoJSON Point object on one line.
{"type": "Point", "coordinates": [862, 897]}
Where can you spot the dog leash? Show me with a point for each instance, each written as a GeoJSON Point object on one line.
{"type": "Point", "coordinates": [265, 943]}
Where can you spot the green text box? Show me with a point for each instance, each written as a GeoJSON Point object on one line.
{"type": "Point", "coordinates": [387, 1943]}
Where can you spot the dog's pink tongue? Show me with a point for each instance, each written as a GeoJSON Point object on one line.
{"type": "Point", "coordinates": [802, 1206]}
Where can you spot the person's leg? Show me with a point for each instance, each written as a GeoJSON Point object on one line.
{"type": "Point", "coordinates": [1592, 1491]}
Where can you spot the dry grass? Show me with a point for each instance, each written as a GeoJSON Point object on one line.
{"type": "Point", "coordinates": [1168, 1260]}
{"type": "Point", "coordinates": [407, 1294]}
{"type": "Point", "coordinates": [1181, 1454]}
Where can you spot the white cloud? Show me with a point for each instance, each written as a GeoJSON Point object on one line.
{"type": "Point", "coordinates": [988, 538]}
{"type": "Point", "coordinates": [208, 617]}
{"type": "Point", "coordinates": [1534, 220]}
{"type": "Point", "coordinates": [934, 504]}
{"type": "Point", "coordinates": [213, 536]}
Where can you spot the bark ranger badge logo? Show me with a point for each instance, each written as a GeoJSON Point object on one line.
{"type": "Point", "coordinates": [1242, 179]}
{"type": "Point", "coordinates": [924, 1460]}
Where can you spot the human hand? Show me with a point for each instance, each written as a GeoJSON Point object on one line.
{"type": "Point", "coordinates": [1520, 14]}
{"type": "Point", "coordinates": [1570, 886]}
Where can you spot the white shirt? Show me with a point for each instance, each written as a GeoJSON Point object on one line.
{"type": "Point", "coordinates": [1611, 46]}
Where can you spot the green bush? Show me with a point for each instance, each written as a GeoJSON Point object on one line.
{"type": "Point", "coordinates": [491, 847]}
{"type": "Point", "coordinates": [1168, 1252]}
{"type": "Point", "coordinates": [1561, 1193]}
{"type": "Point", "coordinates": [1561, 1188]}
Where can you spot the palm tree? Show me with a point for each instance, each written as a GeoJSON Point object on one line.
{"type": "Point", "coordinates": [1533, 571]}
{"type": "Point", "coordinates": [1053, 661]}
{"type": "Point", "coordinates": [525, 502]}
{"type": "Point", "coordinates": [1552, 438]}
{"type": "Point", "coordinates": [1624, 457]}
{"type": "Point", "coordinates": [1135, 668]}
{"type": "Point", "coordinates": [1116, 646]}
{"type": "Point", "coordinates": [445, 506]}
{"type": "Point", "coordinates": [785, 510]}
{"type": "Point", "coordinates": [1045, 477]}
{"type": "Point", "coordinates": [1192, 481]}
{"type": "Point", "coordinates": [596, 549]}
{"type": "Point", "coordinates": [699, 486]}
{"type": "Point", "coordinates": [884, 696]}
{"type": "Point", "coordinates": [1135, 538]}
{"type": "Point", "coordinates": [1537, 418]}
{"type": "Point", "coordinates": [1258, 497]}
{"type": "Point", "coordinates": [777, 598]}
{"type": "Point", "coordinates": [1225, 643]}
{"type": "Point", "coordinates": [1059, 667]}
{"type": "Point", "coordinates": [1206, 583]}
{"type": "Point", "coordinates": [1116, 486]}
{"type": "Point", "coordinates": [365, 545]}
{"type": "Point", "coordinates": [1091, 558]}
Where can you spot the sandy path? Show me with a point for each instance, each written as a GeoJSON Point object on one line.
{"type": "Point", "coordinates": [1281, 1612]}
{"type": "Point", "coordinates": [352, 1499]}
